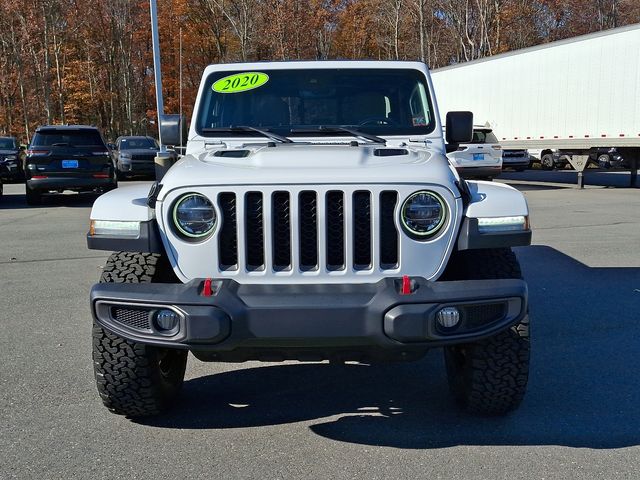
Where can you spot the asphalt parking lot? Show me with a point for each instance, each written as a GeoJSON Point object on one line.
{"type": "Point", "coordinates": [580, 419]}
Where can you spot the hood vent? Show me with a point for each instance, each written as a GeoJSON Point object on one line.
{"type": "Point", "coordinates": [232, 153]}
{"type": "Point", "coordinates": [390, 152]}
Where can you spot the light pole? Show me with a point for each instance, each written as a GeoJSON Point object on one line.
{"type": "Point", "coordinates": [157, 68]}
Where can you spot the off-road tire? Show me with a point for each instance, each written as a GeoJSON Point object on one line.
{"type": "Point", "coordinates": [34, 197]}
{"type": "Point", "coordinates": [489, 377]}
{"type": "Point", "coordinates": [134, 379]}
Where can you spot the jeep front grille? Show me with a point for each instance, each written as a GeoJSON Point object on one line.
{"type": "Point", "coordinates": [307, 230]}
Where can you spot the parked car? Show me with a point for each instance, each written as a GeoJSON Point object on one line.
{"type": "Point", "coordinates": [607, 158]}
{"type": "Point", "coordinates": [63, 158]}
{"type": "Point", "coordinates": [135, 156]}
{"type": "Point", "coordinates": [481, 158]}
{"type": "Point", "coordinates": [516, 159]}
{"type": "Point", "coordinates": [548, 159]}
{"type": "Point", "coordinates": [11, 159]}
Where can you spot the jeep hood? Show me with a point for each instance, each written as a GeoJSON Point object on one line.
{"type": "Point", "coordinates": [310, 164]}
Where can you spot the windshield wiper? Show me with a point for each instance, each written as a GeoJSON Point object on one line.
{"type": "Point", "coordinates": [336, 129]}
{"type": "Point", "coordinates": [242, 128]}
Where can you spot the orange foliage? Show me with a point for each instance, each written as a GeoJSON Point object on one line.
{"type": "Point", "coordinates": [91, 61]}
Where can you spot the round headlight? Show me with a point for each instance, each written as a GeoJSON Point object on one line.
{"type": "Point", "coordinates": [194, 216]}
{"type": "Point", "coordinates": [423, 214]}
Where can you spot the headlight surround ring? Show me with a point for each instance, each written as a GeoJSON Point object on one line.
{"type": "Point", "coordinates": [194, 217]}
{"type": "Point", "coordinates": [417, 215]}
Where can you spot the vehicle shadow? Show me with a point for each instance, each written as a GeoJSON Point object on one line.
{"type": "Point", "coordinates": [18, 201]}
{"type": "Point", "coordinates": [583, 390]}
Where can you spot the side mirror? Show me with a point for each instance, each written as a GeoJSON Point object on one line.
{"type": "Point", "coordinates": [112, 146]}
{"type": "Point", "coordinates": [459, 128]}
{"type": "Point", "coordinates": [173, 129]}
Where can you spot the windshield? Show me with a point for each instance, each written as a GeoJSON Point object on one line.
{"type": "Point", "coordinates": [138, 144]}
{"type": "Point", "coordinates": [7, 144]}
{"type": "Point", "coordinates": [484, 136]}
{"type": "Point", "coordinates": [71, 138]}
{"type": "Point", "coordinates": [297, 102]}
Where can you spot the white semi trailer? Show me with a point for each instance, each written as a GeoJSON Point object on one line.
{"type": "Point", "coordinates": [566, 99]}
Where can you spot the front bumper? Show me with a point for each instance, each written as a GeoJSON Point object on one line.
{"type": "Point", "coordinates": [137, 167]}
{"type": "Point", "coordinates": [364, 322]}
{"type": "Point", "coordinates": [10, 170]}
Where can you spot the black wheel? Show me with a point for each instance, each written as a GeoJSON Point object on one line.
{"type": "Point", "coordinates": [489, 377]}
{"type": "Point", "coordinates": [34, 197]}
{"type": "Point", "coordinates": [547, 162]}
{"type": "Point", "coordinates": [604, 161]}
{"type": "Point", "coordinates": [134, 379]}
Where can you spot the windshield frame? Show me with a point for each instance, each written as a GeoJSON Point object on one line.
{"type": "Point", "coordinates": [206, 98]}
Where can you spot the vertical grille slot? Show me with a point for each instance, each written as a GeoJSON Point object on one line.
{"type": "Point", "coordinates": [361, 230]}
{"type": "Point", "coordinates": [228, 238]}
{"type": "Point", "coordinates": [308, 230]}
{"type": "Point", "coordinates": [254, 229]}
{"type": "Point", "coordinates": [281, 231]}
{"type": "Point", "coordinates": [335, 230]}
{"type": "Point", "coordinates": [388, 230]}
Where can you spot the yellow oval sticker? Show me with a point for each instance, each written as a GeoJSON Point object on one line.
{"type": "Point", "coordinates": [240, 82]}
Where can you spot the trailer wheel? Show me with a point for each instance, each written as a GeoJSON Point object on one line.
{"type": "Point", "coordinates": [547, 162]}
{"type": "Point", "coordinates": [604, 161]}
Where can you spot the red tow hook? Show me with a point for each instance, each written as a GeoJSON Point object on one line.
{"type": "Point", "coordinates": [406, 285]}
{"type": "Point", "coordinates": [207, 289]}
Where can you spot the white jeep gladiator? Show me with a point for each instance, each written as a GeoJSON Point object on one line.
{"type": "Point", "coordinates": [314, 217]}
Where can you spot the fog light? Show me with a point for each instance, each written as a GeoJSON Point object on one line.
{"type": "Point", "coordinates": [167, 320]}
{"type": "Point", "coordinates": [448, 317]}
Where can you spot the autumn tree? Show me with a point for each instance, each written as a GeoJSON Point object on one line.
{"type": "Point", "coordinates": [91, 61]}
